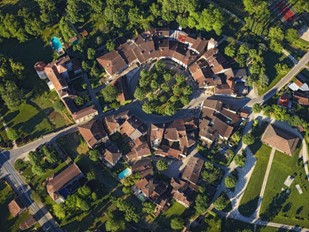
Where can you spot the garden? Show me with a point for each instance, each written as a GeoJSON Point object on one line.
{"type": "Point", "coordinates": [161, 91]}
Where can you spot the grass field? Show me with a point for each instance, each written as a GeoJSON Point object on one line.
{"type": "Point", "coordinates": [248, 203]}
{"type": "Point", "coordinates": [7, 222]}
{"type": "Point", "coordinates": [289, 209]}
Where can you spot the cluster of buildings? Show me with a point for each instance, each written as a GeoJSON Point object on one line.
{"type": "Point", "coordinates": [208, 67]}
{"type": "Point", "coordinates": [59, 74]}
{"type": "Point", "coordinates": [300, 92]}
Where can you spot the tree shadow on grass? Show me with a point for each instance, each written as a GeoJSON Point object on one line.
{"type": "Point", "coordinates": [9, 117]}
{"type": "Point", "coordinates": [275, 206]}
{"type": "Point", "coordinates": [248, 208]}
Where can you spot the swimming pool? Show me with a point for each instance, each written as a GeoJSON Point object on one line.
{"type": "Point", "coordinates": [125, 173]}
{"type": "Point", "coordinates": [56, 43]}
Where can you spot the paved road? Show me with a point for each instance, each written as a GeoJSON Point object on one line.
{"type": "Point", "coordinates": [285, 80]}
{"type": "Point", "coordinates": [305, 157]}
{"type": "Point", "coordinates": [40, 213]}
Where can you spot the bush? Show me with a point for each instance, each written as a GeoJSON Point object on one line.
{"type": "Point", "coordinates": [12, 134]}
{"type": "Point", "coordinates": [177, 223]}
{"type": "Point", "coordinates": [240, 160]}
{"type": "Point", "coordinates": [162, 165]}
{"type": "Point", "coordinates": [94, 155]}
{"type": "Point", "coordinates": [221, 202]}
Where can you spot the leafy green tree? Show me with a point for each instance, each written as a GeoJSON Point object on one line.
{"type": "Point", "coordinates": [59, 211]}
{"type": "Point", "coordinates": [79, 101]}
{"type": "Point", "coordinates": [114, 225]}
{"type": "Point", "coordinates": [248, 139]}
{"type": "Point", "coordinates": [177, 223]}
{"type": "Point", "coordinates": [230, 181]}
{"type": "Point", "coordinates": [236, 137]}
{"type": "Point", "coordinates": [12, 134]}
{"type": "Point", "coordinates": [148, 208]}
{"type": "Point", "coordinates": [162, 165]}
{"type": "Point", "coordinates": [257, 108]}
{"type": "Point", "coordinates": [201, 204]}
{"type": "Point", "coordinates": [276, 36]}
{"type": "Point", "coordinates": [94, 196]}
{"type": "Point", "coordinates": [11, 94]}
{"type": "Point", "coordinates": [230, 50]}
{"type": "Point", "coordinates": [110, 93]}
{"type": "Point", "coordinates": [94, 155]}
{"type": "Point", "coordinates": [37, 169]}
{"type": "Point", "coordinates": [90, 53]}
{"type": "Point", "coordinates": [91, 175]}
{"type": "Point", "coordinates": [82, 204]}
{"type": "Point", "coordinates": [282, 69]}
{"type": "Point", "coordinates": [221, 202]}
{"type": "Point", "coordinates": [240, 160]}
{"type": "Point", "coordinates": [110, 45]}
{"type": "Point", "coordinates": [84, 191]}
{"type": "Point", "coordinates": [291, 35]}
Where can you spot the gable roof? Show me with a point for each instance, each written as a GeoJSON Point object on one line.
{"type": "Point", "coordinates": [112, 62]}
{"type": "Point", "coordinates": [57, 182]}
{"type": "Point", "coordinates": [112, 154]}
{"type": "Point", "coordinates": [193, 169]}
{"type": "Point", "coordinates": [90, 110]}
{"type": "Point", "coordinates": [92, 132]}
{"type": "Point", "coordinates": [280, 139]}
{"type": "Point", "coordinates": [15, 207]}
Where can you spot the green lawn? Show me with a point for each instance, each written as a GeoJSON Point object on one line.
{"type": "Point", "coordinates": [7, 222]}
{"type": "Point", "coordinates": [175, 210]}
{"type": "Point", "coordinates": [294, 208]}
{"type": "Point", "coordinates": [249, 200]}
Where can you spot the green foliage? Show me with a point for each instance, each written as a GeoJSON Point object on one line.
{"type": "Point", "coordinates": [51, 156]}
{"type": "Point", "coordinates": [91, 175]}
{"type": "Point", "coordinates": [291, 35]}
{"type": "Point", "coordinates": [131, 180]}
{"type": "Point", "coordinates": [11, 94]}
{"type": "Point", "coordinates": [211, 173]}
{"type": "Point", "coordinates": [110, 93]}
{"type": "Point", "coordinates": [236, 137]}
{"type": "Point", "coordinates": [177, 223]}
{"type": "Point", "coordinates": [282, 69]}
{"type": "Point", "coordinates": [201, 204]}
{"type": "Point", "coordinates": [59, 211]}
{"type": "Point", "coordinates": [240, 160]}
{"type": "Point", "coordinates": [110, 46]}
{"type": "Point", "coordinates": [94, 155]}
{"type": "Point", "coordinates": [12, 134]}
{"type": "Point", "coordinates": [230, 50]}
{"type": "Point", "coordinates": [114, 225]}
{"type": "Point", "coordinates": [248, 139]}
{"type": "Point", "coordinates": [130, 212]}
{"type": "Point", "coordinates": [257, 108]}
{"type": "Point", "coordinates": [19, 164]}
{"type": "Point", "coordinates": [148, 207]}
{"type": "Point", "coordinates": [162, 165]}
{"type": "Point", "coordinates": [221, 202]}
{"type": "Point", "coordinates": [79, 101]}
{"type": "Point", "coordinates": [276, 37]}
{"type": "Point", "coordinates": [230, 181]}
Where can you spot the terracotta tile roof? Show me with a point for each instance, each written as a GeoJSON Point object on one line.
{"type": "Point", "coordinates": [111, 124]}
{"type": "Point", "coordinates": [15, 207]}
{"type": "Point", "coordinates": [222, 127]}
{"type": "Point", "coordinates": [112, 154]}
{"type": "Point", "coordinates": [283, 101]}
{"type": "Point", "coordinates": [223, 89]}
{"type": "Point", "coordinates": [146, 186]}
{"type": "Point", "coordinates": [93, 132]}
{"type": "Point", "coordinates": [199, 45]}
{"type": "Point", "coordinates": [156, 133]}
{"type": "Point", "coordinates": [178, 184]}
{"type": "Point", "coordinates": [182, 199]}
{"type": "Point", "coordinates": [212, 104]}
{"type": "Point", "coordinates": [88, 111]}
{"type": "Point", "coordinates": [280, 139]}
{"type": "Point", "coordinates": [141, 165]}
{"type": "Point", "coordinates": [139, 152]}
{"type": "Point", "coordinates": [55, 78]}
{"type": "Point", "coordinates": [301, 98]}
{"type": "Point", "coordinates": [55, 183]}
{"type": "Point", "coordinates": [112, 62]}
{"type": "Point", "coordinates": [193, 169]}
{"type": "Point", "coordinates": [230, 115]}
{"type": "Point", "coordinates": [29, 222]}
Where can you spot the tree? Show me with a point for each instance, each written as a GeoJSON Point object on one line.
{"type": "Point", "coordinates": [221, 202]}
{"type": "Point", "coordinates": [230, 181]}
{"type": "Point", "coordinates": [90, 53]}
{"type": "Point", "coordinates": [91, 175]}
{"type": "Point", "coordinates": [230, 50]}
{"type": "Point", "coordinates": [59, 211]}
{"type": "Point", "coordinates": [37, 169]}
{"type": "Point", "coordinates": [11, 94]}
{"type": "Point", "coordinates": [79, 101]}
{"type": "Point", "coordinates": [94, 155]}
{"type": "Point", "coordinates": [148, 207]}
{"type": "Point", "coordinates": [162, 165]}
{"type": "Point", "coordinates": [257, 108]}
{"type": "Point", "coordinates": [248, 139]}
{"type": "Point", "coordinates": [114, 225]}
{"type": "Point", "coordinates": [177, 223]}
{"type": "Point", "coordinates": [236, 137]}
{"type": "Point", "coordinates": [110, 45]}
{"type": "Point", "coordinates": [201, 204]}
{"type": "Point", "coordinates": [110, 93]}
{"type": "Point", "coordinates": [82, 204]}
{"type": "Point", "coordinates": [282, 69]}
{"type": "Point", "coordinates": [276, 36]}
{"type": "Point", "coordinates": [12, 134]}
{"type": "Point", "coordinates": [240, 160]}
{"type": "Point", "coordinates": [84, 191]}
{"type": "Point", "coordinates": [291, 35]}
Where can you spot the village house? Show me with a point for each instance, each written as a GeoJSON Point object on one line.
{"type": "Point", "coordinates": [112, 155]}
{"type": "Point", "coordinates": [94, 133]}
{"type": "Point", "coordinates": [63, 184]}
{"type": "Point", "coordinates": [16, 207]}
{"type": "Point", "coordinates": [280, 139]}
{"type": "Point", "coordinates": [192, 171]}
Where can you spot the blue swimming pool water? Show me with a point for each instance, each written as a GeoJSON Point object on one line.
{"type": "Point", "coordinates": [56, 43]}
{"type": "Point", "coordinates": [124, 173]}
